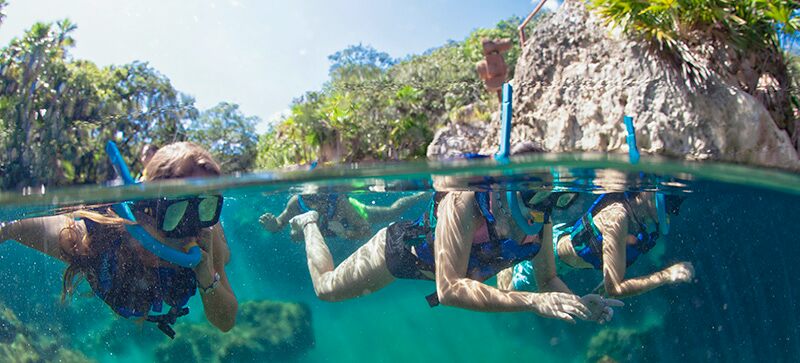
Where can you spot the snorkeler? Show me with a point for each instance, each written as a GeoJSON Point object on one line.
{"type": "Point", "coordinates": [113, 253]}
{"type": "Point", "coordinates": [610, 236]}
{"type": "Point", "coordinates": [344, 216]}
{"type": "Point", "coordinates": [464, 239]}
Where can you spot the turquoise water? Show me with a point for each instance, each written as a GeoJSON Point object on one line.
{"type": "Point", "coordinates": [738, 227]}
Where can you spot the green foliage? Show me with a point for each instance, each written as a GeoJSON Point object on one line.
{"type": "Point", "coordinates": [793, 60]}
{"type": "Point", "coordinates": [376, 109]}
{"type": "Point", "coordinates": [228, 134]}
{"type": "Point", "coordinates": [57, 113]}
{"type": "Point", "coordinates": [747, 23]}
{"type": "Point", "coordinates": [3, 4]}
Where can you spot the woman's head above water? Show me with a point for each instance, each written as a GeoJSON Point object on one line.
{"type": "Point", "coordinates": [181, 160]}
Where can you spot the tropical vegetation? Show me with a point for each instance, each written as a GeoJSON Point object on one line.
{"type": "Point", "coordinates": [375, 107]}
{"type": "Point", "coordinates": [759, 31]}
{"type": "Point", "coordinates": [57, 113]}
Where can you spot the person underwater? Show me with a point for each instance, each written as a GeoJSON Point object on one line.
{"type": "Point", "coordinates": [98, 245]}
{"type": "Point", "coordinates": [344, 216]}
{"type": "Point", "coordinates": [616, 230]}
{"type": "Point", "coordinates": [464, 239]}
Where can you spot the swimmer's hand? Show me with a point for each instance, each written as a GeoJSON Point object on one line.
{"type": "Point", "coordinates": [204, 271]}
{"type": "Point", "coordinates": [299, 223]}
{"type": "Point", "coordinates": [681, 272]}
{"type": "Point", "coordinates": [560, 306]}
{"type": "Point", "coordinates": [270, 222]}
{"type": "Point", "coordinates": [601, 309]}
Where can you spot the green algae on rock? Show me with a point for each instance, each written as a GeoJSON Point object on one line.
{"type": "Point", "coordinates": [265, 330]}
{"type": "Point", "coordinates": [20, 344]}
{"type": "Point", "coordinates": [620, 345]}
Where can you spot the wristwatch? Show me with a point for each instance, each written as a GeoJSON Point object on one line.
{"type": "Point", "coordinates": [210, 288]}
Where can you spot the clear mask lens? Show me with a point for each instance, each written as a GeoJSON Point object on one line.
{"type": "Point", "coordinates": [207, 209]}
{"type": "Point", "coordinates": [173, 215]}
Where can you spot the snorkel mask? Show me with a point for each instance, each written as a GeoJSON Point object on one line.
{"type": "Point", "coordinates": [188, 259]}
{"type": "Point", "coordinates": [182, 217]}
{"type": "Point", "coordinates": [533, 225]}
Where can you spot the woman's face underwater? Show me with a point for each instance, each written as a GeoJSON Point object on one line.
{"type": "Point", "coordinates": [149, 223]}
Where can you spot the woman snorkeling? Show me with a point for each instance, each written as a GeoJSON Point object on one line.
{"type": "Point", "coordinates": [97, 245]}
{"type": "Point", "coordinates": [344, 216]}
{"type": "Point", "coordinates": [465, 239]}
{"type": "Point", "coordinates": [610, 236]}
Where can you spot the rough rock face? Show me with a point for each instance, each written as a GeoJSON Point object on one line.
{"type": "Point", "coordinates": [576, 79]}
{"type": "Point", "coordinates": [265, 331]}
{"type": "Point", "coordinates": [457, 138]}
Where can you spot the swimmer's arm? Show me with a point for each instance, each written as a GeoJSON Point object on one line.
{"type": "Point", "coordinates": [544, 265]}
{"type": "Point", "coordinates": [220, 305]}
{"type": "Point", "coordinates": [381, 214]}
{"type": "Point", "coordinates": [457, 221]}
{"type": "Point", "coordinates": [43, 233]}
{"type": "Point", "coordinates": [615, 233]}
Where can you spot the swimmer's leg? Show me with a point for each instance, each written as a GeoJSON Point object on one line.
{"type": "Point", "coordinates": [360, 274]}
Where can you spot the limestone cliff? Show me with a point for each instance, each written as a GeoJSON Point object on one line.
{"type": "Point", "coordinates": [576, 79]}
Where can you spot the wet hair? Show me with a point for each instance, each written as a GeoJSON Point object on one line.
{"type": "Point", "coordinates": [179, 160]}
{"type": "Point", "coordinates": [173, 161]}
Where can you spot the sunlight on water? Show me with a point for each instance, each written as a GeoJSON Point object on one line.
{"type": "Point", "coordinates": [737, 226]}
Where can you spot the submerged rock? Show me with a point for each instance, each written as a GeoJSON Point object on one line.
{"type": "Point", "coordinates": [264, 331]}
{"type": "Point", "coordinates": [576, 79]}
{"type": "Point", "coordinates": [20, 344]}
{"type": "Point", "coordinates": [621, 345]}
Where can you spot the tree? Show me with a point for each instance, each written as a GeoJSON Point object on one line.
{"type": "Point", "coordinates": [378, 108]}
{"type": "Point", "coordinates": [58, 113]}
{"type": "Point", "coordinates": [361, 57]}
{"type": "Point", "coordinates": [3, 4]}
{"type": "Point", "coordinates": [228, 134]}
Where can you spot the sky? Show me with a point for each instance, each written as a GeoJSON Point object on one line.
{"type": "Point", "coordinates": [259, 54]}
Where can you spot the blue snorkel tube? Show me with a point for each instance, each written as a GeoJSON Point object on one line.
{"type": "Point", "coordinates": [633, 155]}
{"type": "Point", "coordinates": [188, 259]}
{"type": "Point", "coordinates": [502, 155]}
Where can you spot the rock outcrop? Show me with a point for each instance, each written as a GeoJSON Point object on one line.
{"type": "Point", "coordinates": [621, 345]}
{"type": "Point", "coordinates": [20, 344]}
{"type": "Point", "coordinates": [576, 78]}
{"type": "Point", "coordinates": [265, 331]}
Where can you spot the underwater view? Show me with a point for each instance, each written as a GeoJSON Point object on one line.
{"type": "Point", "coordinates": [735, 227]}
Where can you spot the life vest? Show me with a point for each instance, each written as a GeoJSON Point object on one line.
{"type": "Point", "coordinates": [588, 241]}
{"type": "Point", "coordinates": [131, 295]}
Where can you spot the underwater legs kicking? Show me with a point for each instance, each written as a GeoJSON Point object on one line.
{"type": "Point", "coordinates": [361, 273]}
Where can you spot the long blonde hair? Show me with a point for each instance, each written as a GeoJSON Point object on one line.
{"type": "Point", "coordinates": [176, 160]}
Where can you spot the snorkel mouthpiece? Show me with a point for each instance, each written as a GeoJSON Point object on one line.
{"type": "Point", "coordinates": [188, 259]}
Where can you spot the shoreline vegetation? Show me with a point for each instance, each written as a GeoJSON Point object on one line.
{"type": "Point", "coordinates": [56, 112]}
